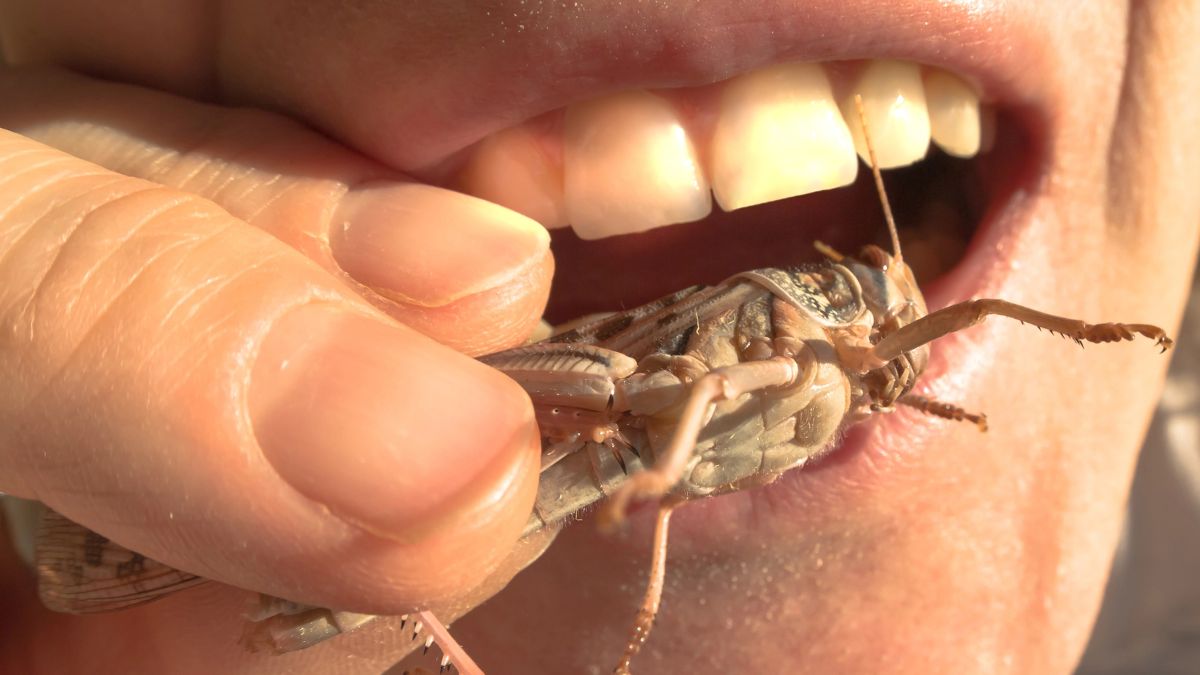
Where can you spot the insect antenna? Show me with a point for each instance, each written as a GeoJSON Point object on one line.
{"type": "Point", "coordinates": [828, 251]}
{"type": "Point", "coordinates": [883, 198]}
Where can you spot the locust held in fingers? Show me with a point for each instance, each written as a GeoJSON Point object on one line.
{"type": "Point", "coordinates": [705, 391]}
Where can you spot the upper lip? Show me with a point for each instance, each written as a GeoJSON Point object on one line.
{"type": "Point", "coordinates": [651, 45]}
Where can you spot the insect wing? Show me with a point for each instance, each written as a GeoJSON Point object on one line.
{"type": "Point", "coordinates": [604, 329]}
{"type": "Point", "coordinates": [82, 572]}
{"type": "Point", "coordinates": [666, 325]}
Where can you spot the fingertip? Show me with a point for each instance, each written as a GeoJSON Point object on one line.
{"type": "Point", "coordinates": [469, 540]}
{"type": "Point", "coordinates": [460, 269]}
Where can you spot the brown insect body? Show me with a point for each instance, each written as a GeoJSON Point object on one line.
{"type": "Point", "coordinates": [818, 315]}
{"type": "Point", "coordinates": [754, 316]}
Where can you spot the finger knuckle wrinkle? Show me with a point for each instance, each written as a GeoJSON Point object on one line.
{"type": "Point", "coordinates": [81, 254]}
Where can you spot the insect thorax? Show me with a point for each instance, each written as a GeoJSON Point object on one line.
{"type": "Point", "coordinates": [829, 293]}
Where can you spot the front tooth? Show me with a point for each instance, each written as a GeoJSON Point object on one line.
{"type": "Point", "coordinates": [953, 113]}
{"type": "Point", "coordinates": [509, 168]}
{"type": "Point", "coordinates": [779, 134]}
{"type": "Point", "coordinates": [629, 166]}
{"type": "Point", "coordinates": [894, 105]}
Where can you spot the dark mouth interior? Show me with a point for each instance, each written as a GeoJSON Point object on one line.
{"type": "Point", "coordinates": [938, 204]}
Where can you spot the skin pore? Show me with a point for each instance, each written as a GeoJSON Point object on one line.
{"type": "Point", "coordinates": [954, 552]}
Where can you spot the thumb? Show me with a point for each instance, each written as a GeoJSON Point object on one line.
{"type": "Point", "coordinates": [195, 390]}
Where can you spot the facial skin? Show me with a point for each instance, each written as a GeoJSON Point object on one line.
{"type": "Point", "coordinates": [949, 552]}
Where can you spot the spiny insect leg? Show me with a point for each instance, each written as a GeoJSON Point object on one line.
{"type": "Point", "coordinates": [654, 587]}
{"type": "Point", "coordinates": [449, 646]}
{"type": "Point", "coordinates": [945, 410]}
{"type": "Point", "coordinates": [965, 314]}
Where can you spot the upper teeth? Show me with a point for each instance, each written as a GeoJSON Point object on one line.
{"type": "Point", "coordinates": [779, 134]}
{"type": "Point", "coordinates": [953, 114]}
{"type": "Point", "coordinates": [895, 110]}
{"type": "Point", "coordinates": [629, 162]}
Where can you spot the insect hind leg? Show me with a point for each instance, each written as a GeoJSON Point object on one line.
{"type": "Point", "coordinates": [719, 385]}
{"type": "Point", "coordinates": [652, 598]}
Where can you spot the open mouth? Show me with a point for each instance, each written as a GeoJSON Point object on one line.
{"type": "Point", "coordinates": [967, 148]}
{"type": "Point", "coordinates": [649, 192]}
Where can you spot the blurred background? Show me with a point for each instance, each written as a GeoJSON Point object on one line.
{"type": "Point", "coordinates": [1150, 621]}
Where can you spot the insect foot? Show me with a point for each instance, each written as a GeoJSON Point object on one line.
{"type": "Point", "coordinates": [1115, 332]}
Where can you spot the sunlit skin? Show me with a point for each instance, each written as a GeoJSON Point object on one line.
{"type": "Point", "coordinates": [950, 551]}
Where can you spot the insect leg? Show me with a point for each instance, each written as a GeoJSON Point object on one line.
{"type": "Point", "coordinates": [721, 384]}
{"type": "Point", "coordinates": [654, 587]}
{"type": "Point", "coordinates": [299, 628]}
{"type": "Point", "coordinates": [449, 646]}
{"type": "Point", "coordinates": [575, 376]}
{"type": "Point", "coordinates": [965, 314]}
{"type": "Point", "coordinates": [944, 410]}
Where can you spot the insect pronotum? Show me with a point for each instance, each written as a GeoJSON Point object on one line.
{"type": "Point", "coordinates": [626, 404]}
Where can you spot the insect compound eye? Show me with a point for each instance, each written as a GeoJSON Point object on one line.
{"type": "Point", "coordinates": [876, 288]}
{"type": "Point", "coordinates": [875, 256]}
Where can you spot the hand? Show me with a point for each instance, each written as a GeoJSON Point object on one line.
{"type": "Point", "coordinates": [181, 378]}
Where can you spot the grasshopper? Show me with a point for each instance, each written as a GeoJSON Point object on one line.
{"type": "Point", "coordinates": [705, 391]}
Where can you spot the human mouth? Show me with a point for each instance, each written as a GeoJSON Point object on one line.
{"type": "Point", "coordinates": [762, 164]}
{"type": "Point", "coordinates": [649, 189]}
